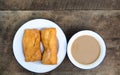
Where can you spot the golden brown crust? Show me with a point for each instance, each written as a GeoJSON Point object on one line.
{"type": "Point", "coordinates": [31, 45]}
{"type": "Point", "coordinates": [49, 40]}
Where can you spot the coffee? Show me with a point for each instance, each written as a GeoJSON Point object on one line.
{"type": "Point", "coordinates": [85, 49]}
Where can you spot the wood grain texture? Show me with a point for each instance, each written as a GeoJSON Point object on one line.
{"type": "Point", "coordinates": [106, 23]}
{"type": "Point", "coordinates": [59, 4]}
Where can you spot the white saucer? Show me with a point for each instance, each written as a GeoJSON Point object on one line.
{"type": "Point", "coordinates": [37, 67]}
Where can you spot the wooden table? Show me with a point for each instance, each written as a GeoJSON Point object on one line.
{"type": "Point", "coordinates": [101, 16]}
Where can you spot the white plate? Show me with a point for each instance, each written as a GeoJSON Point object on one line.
{"type": "Point", "coordinates": [37, 67]}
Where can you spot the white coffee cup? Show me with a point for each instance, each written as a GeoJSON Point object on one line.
{"type": "Point", "coordinates": [102, 49]}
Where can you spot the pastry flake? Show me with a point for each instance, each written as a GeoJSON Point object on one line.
{"type": "Point", "coordinates": [31, 45]}
{"type": "Point", "coordinates": [49, 41]}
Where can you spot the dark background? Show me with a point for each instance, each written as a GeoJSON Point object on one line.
{"type": "Point", "coordinates": [101, 16]}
